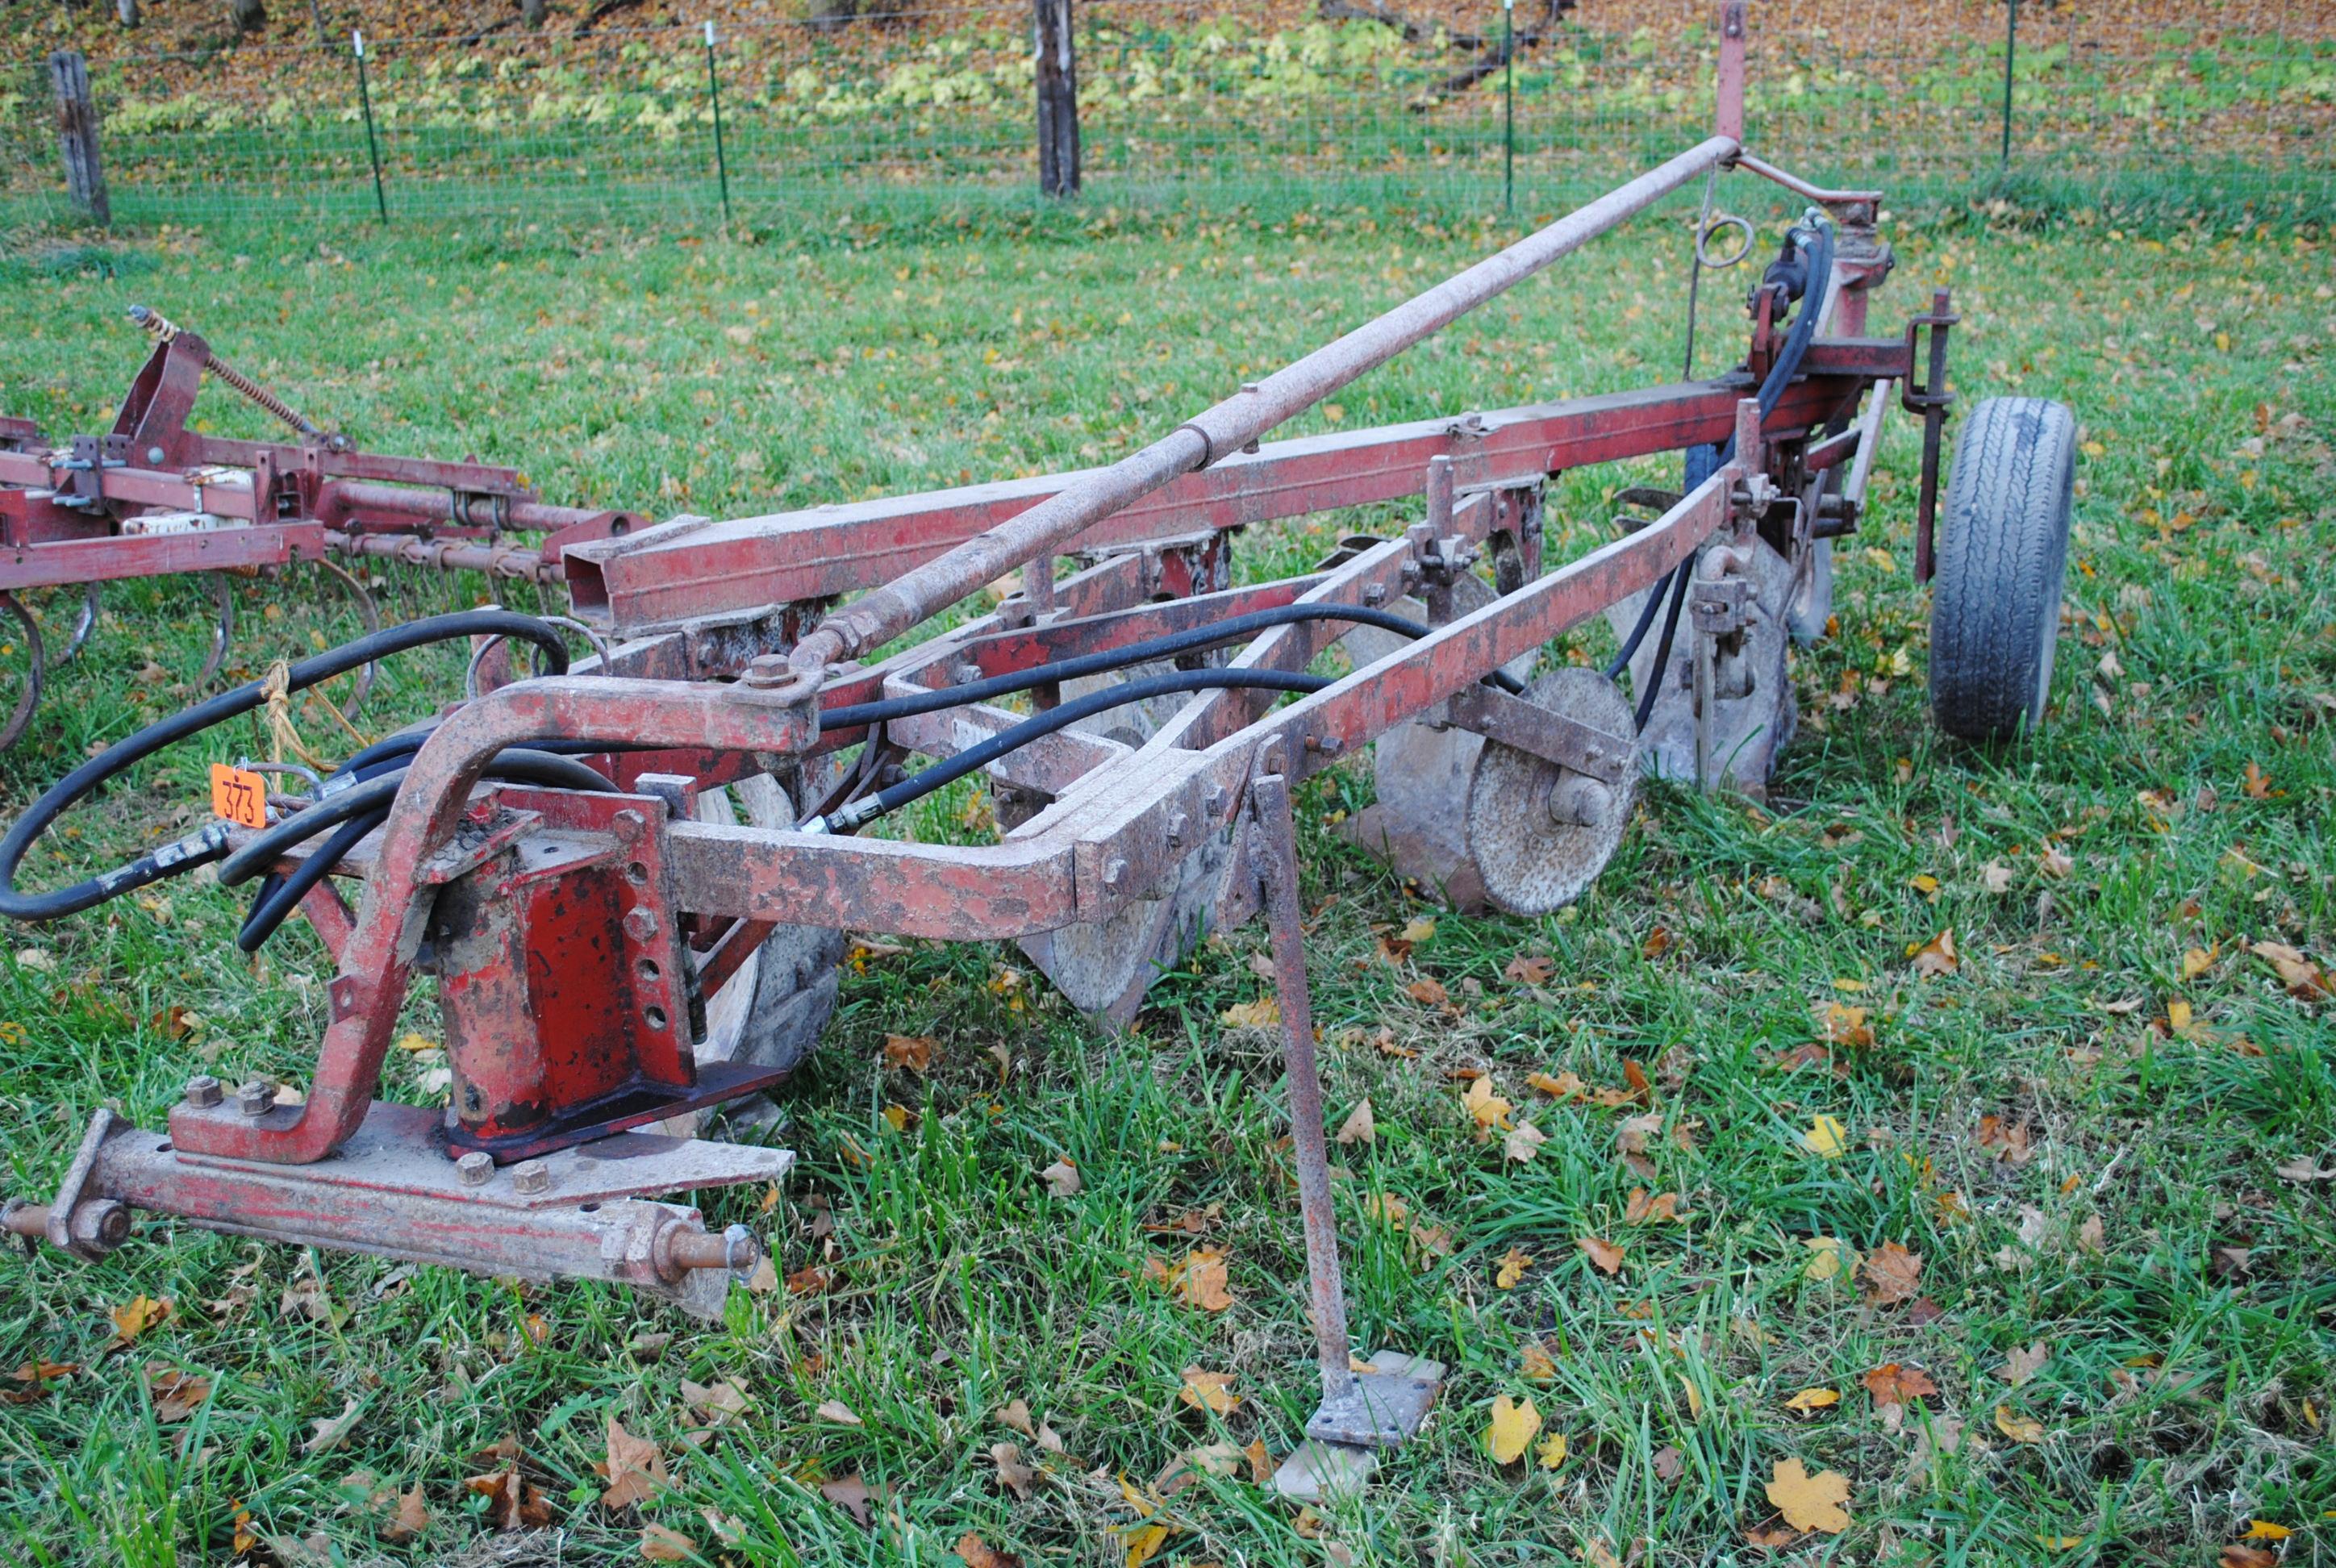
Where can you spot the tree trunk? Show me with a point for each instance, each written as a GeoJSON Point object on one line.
{"type": "Point", "coordinates": [249, 16]}
{"type": "Point", "coordinates": [128, 11]}
{"type": "Point", "coordinates": [77, 136]}
{"type": "Point", "coordinates": [1058, 98]}
{"type": "Point", "coordinates": [531, 12]}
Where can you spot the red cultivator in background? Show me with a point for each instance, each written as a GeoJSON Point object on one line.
{"type": "Point", "coordinates": [630, 882]}
{"type": "Point", "coordinates": [151, 498]}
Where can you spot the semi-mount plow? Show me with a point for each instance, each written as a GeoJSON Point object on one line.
{"type": "Point", "coordinates": [631, 881]}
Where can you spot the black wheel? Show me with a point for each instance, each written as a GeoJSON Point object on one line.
{"type": "Point", "coordinates": [22, 661]}
{"type": "Point", "coordinates": [2003, 549]}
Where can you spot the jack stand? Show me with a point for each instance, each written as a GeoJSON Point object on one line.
{"type": "Point", "coordinates": [1364, 1407]}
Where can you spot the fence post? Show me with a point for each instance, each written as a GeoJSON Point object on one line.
{"type": "Point", "coordinates": [373, 145]}
{"type": "Point", "coordinates": [1509, 110]}
{"type": "Point", "coordinates": [2011, 45]}
{"type": "Point", "coordinates": [77, 136]}
{"type": "Point", "coordinates": [1059, 99]}
{"type": "Point", "coordinates": [713, 92]}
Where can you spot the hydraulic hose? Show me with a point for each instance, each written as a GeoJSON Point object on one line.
{"type": "Point", "coordinates": [210, 843]}
{"type": "Point", "coordinates": [1703, 461]}
{"type": "Point", "coordinates": [280, 895]}
{"type": "Point", "coordinates": [919, 784]}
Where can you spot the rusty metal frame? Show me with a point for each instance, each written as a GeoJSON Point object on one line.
{"type": "Point", "coordinates": [731, 648]}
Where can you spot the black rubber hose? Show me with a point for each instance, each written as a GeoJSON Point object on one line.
{"type": "Point", "coordinates": [281, 895]}
{"type": "Point", "coordinates": [973, 758]}
{"type": "Point", "coordinates": [516, 765]}
{"type": "Point", "coordinates": [206, 845]}
{"type": "Point", "coordinates": [1703, 461]}
{"type": "Point", "coordinates": [1237, 630]}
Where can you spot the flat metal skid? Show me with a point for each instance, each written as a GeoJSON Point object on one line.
{"type": "Point", "coordinates": [1385, 1406]}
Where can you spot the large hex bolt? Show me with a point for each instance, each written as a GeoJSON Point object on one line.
{"type": "Point", "coordinates": [204, 1091]}
{"type": "Point", "coordinates": [641, 924]}
{"type": "Point", "coordinates": [764, 671]}
{"type": "Point", "coordinates": [476, 1168]}
{"type": "Point", "coordinates": [532, 1177]}
{"type": "Point", "coordinates": [255, 1097]}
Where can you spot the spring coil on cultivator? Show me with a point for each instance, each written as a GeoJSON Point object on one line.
{"type": "Point", "coordinates": [162, 329]}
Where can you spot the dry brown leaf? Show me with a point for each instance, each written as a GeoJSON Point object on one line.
{"type": "Point", "coordinates": [1938, 956]}
{"type": "Point", "coordinates": [1202, 1281]}
{"type": "Point", "coordinates": [1265, 1013]}
{"type": "Point", "coordinates": [1892, 1274]}
{"type": "Point", "coordinates": [1642, 1209]}
{"type": "Point", "coordinates": [1260, 1462]}
{"type": "Point", "coordinates": [1602, 1252]}
{"type": "Point", "coordinates": [1670, 1464]}
{"type": "Point", "coordinates": [411, 1519]}
{"type": "Point", "coordinates": [1807, 1502]}
{"type": "Point", "coordinates": [332, 1431]}
{"type": "Point", "coordinates": [1488, 1108]}
{"type": "Point", "coordinates": [1012, 1474]}
{"type": "Point", "coordinates": [2239, 1554]}
{"type": "Point", "coordinates": [635, 1469]}
{"type": "Point", "coordinates": [1428, 991]}
{"type": "Point", "coordinates": [177, 1395]}
{"type": "Point", "coordinates": [2305, 980]}
{"type": "Point", "coordinates": [2018, 1428]}
{"type": "Point", "coordinates": [1523, 1142]}
{"type": "Point", "coordinates": [1566, 1086]}
{"type": "Point", "coordinates": [137, 1315]}
{"type": "Point", "coordinates": [2304, 1169]}
{"type": "Point", "coordinates": [661, 1544]}
{"type": "Point", "coordinates": [1017, 1415]}
{"type": "Point", "coordinates": [836, 1411]}
{"type": "Point", "coordinates": [913, 1053]}
{"type": "Point", "coordinates": [1358, 1127]}
{"type": "Point", "coordinates": [1893, 1383]}
{"type": "Point", "coordinates": [2020, 1365]}
{"type": "Point", "coordinates": [979, 1554]}
{"type": "Point", "coordinates": [1529, 970]}
{"type": "Point", "coordinates": [1537, 1365]}
{"type": "Point", "coordinates": [849, 1493]}
{"type": "Point", "coordinates": [1061, 1179]}
{"type": "Point", "coordinates": [1210, 1391]}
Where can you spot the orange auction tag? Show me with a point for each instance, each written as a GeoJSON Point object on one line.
{"type": "Point", "coordinates": [239, 795]}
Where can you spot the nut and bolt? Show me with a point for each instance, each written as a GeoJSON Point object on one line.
{"type": "Point", "coordinates": [532, 1176]}
{"type": "Point", "coordinates": [641, 924]}
{"type": "Point", "coordinates": [1178, 823]}
{"type": "Point", "coordinates": [629, 823]}
{"type": "Point", "coordinates": [203, 1091]}
{"type": "Point", "coordinates": [964, 674]}
{"type": "Point", "coordinates": [764, 671]}
{"type": "Point", "coordinates": [255, 1098]}
{"type": "Point", "coordinates": [1114, 874]}
{"type": "Point", "coordinates": [1374, 593]}
{"type": "Point", "coordinates": [476, 1168]}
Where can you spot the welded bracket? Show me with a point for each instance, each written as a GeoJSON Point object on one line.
{"type": "Point", "coordinates": [1540, 732]}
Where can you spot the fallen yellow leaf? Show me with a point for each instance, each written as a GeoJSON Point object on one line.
{"type": "Point", "coordinates": [1514, 1264]}
{"type": "Point", "coordinates": [1489, 1109]}
{"type": "Point", "coordinates": [1828, 1256]}
{"type": "Point", "coordinates": [1810, 1502]}
{"type": "Point", "coordinates": [1812, 1399]}
{"type": "Point", "coordinates": [1513, 1425]}
{"type": "Point", "coordinates": [1552, 1452]}
{"type": "Point", "coordinates": [1210, 1391]}
{"type": "Point", "coordinates": [2018, 1428]}
{"type": "Point", "coordinates": [1826, 1138]}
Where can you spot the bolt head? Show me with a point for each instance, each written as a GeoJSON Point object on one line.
{"type": "Point", "coordinates": [255, 1098]}
{"type": "Point", "coordinates": [532, 1176]}
{"type": "Point", "coordinates": [764, 671]}
{"type": "Point", "coordinates": [1114, 874]}
{"type": "Point", "coordinates": [630, 822]}
{"type": "Point", "coordinates": [641, 924]}
{"type": "Point", "coordinates": [204, 1091]}
{"type": "Point", "coordinates": [476, 1168]}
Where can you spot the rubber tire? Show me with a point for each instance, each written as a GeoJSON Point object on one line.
{"type": "Point", "coordinates": [2003, 552]}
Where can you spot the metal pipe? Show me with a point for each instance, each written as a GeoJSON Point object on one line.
{"type": "Point", "coordinates": [447, 555]}
{"type": "Point", "coordinates": [1800, 186]}
{"type": "Point", "coordinates": [432, 505]}
{"type": "Point", "coordinates": [925, 591]}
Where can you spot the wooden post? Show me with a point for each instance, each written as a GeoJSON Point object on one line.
{"type": "Point", "coordinates": [1059, 99]}
{"type": "Point", "coordinates": [77, 136]}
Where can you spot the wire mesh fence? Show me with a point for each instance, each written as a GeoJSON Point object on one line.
{"type": "Point", "coordinates": [1244, 100]}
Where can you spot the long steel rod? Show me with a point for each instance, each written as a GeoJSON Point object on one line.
{"type": "Point", "coordinates": [1274, 847]}
{"type": "Point", "coordinates": [925, 591]}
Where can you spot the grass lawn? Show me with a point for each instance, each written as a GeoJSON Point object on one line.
{"type": "Point", "coordinates": [2107, 1132]}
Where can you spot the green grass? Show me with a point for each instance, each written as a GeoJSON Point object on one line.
{"type": "Point", "coordinates": [2181, 1398]}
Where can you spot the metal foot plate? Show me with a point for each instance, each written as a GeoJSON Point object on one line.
{"type": "Point", "coordinates": [1317, 1470]}
{"type": "Point", "coordinates": [1385, 1405]}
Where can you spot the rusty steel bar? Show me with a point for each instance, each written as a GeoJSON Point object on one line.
{"type": "Point", "coordinates": [1273, 850]}
{"type": "Point", "coordinates": [529, 565]}
{"type": "Point", "coordinates": [925, 591]}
